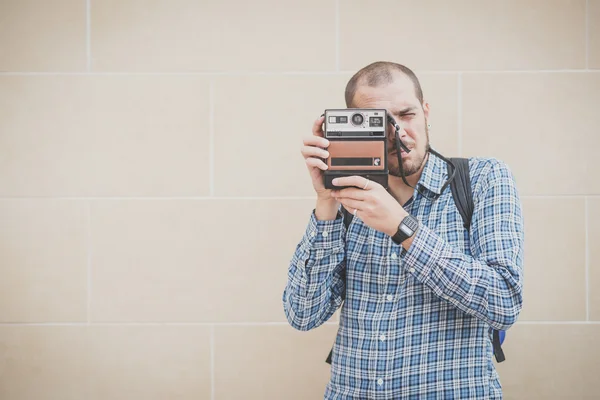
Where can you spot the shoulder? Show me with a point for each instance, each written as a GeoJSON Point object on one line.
{"type": "Point", "coordinates": [486, 172]}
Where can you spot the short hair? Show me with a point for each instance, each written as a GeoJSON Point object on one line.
{"type": "Point", "coordinates": [380, 73]}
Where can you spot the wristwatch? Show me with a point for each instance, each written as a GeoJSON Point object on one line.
{"type": "Point", "coordinates": [406, 229]}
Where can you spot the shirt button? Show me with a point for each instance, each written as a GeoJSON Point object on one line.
{"type": "Point", "coordinates": [325, 234]}
{"type": "Point", "coordinates": [412, 270]}
{"type": "Point", "coordinates": [382, 338]}
{"type": "Point", "coordinates": [394, 256]}
{"type": "Point", "coordinates": [380, 381]}
{"type": "Point", "coordinates": [390, 297]}
{"type": "Point", "coordinates": [312, 234]}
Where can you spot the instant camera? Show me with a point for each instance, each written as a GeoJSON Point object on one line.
{"type": "Point", "coordinates": [358, 144]}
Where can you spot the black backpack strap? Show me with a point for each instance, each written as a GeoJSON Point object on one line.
{"type": "Point", "coordinates": [347, 220]}
{"type": "Point", "coordinates": [498, 352]}
{"type": "Point", "coordinates": [461, 190]}
{"type": "Point", "coordinates": [347, 217]}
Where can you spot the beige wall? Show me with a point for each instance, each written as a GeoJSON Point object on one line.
{"type": "Point", "coordinates": [152, 189]}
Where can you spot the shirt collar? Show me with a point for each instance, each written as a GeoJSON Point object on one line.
{"type": "Point", "coordinates": [434, 174]}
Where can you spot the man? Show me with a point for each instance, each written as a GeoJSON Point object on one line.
{"type": "Point", "coordinates": [418, 310]}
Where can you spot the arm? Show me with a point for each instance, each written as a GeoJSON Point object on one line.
{"type": "Point", "coordinates": [316, 275]}
{"type": "Point", "coordinates": [488, 285]}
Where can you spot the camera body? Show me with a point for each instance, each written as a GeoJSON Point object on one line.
{"type": "Point", "coordinates": [357, 145]}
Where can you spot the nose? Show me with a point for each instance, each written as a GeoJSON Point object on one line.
{"type": "Point", "coordinates": [392, 133]}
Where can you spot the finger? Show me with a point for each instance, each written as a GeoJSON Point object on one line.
{"type": "Point", "coordinates": [316, 141]}
{"type": "Point", "coordinates": [315, 162]}
{"type": "Point", "coordinates": [357, 181]}
{"type": "Point", "coordinates": [351, 205]}
{"type": "Point", "coordinates": [310, 151]}
{"type": "Point", "coordinates": [318, 126]}
{"type": "Point", "coordinates": [350, 193]}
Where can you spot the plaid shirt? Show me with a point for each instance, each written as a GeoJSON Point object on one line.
{"type": "Point", "coordinates": [416, 324]}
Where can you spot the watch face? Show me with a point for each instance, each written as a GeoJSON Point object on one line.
{"type": "Point", "coordinates": [406, 230]}
{"type": "Point", "coordinates": [409, 225]}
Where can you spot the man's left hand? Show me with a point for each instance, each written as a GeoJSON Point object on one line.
{"type": "Point", "coordinates": [370, 202]}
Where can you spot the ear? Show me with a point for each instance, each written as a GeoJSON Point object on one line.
{"type": "Point", "coordinates": [426, 109]}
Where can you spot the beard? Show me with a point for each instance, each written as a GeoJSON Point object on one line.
{"type": "Point", "coordinates": [412, 164]}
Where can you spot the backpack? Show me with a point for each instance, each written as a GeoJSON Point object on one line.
{"type": "Point", "coordinates": [461, 192]}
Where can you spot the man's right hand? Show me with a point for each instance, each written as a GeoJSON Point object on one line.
{"type": "Point", "coordinates": [313, 152]}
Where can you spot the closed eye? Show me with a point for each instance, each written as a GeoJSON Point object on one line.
{"type": "Point", "coordinates": [403, 116]}
{"type": "Point", "coordinates": [404, 111]}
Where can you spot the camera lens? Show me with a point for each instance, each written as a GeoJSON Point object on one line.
{"type": "Point", "coordinates": [357, 119]}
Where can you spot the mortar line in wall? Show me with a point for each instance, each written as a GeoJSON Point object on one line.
{"type": "Point", "coordinates": [239, 198]}
{"type": "Point", "coordinates": [211, 139]}
{"type": "Point", "coordinates": [88, 33]}
{"type": "Point", "coordinates": [89, 261]}
{"type": "Point", "coordinates": [238, 324]}
{"type": "Point", "coordinates": [558, 322]}
{"type": "Point", "coordinates": [460, 115]}
{"type": "Point", "coordinates": [287, 73]}
{"type": "Point", "coordinates": [174, 73]}
{"type": "Point", "coordinates": [587, 34]}
{"type": "Point", "coordinates": [558, 196]}
{"type": "Point", "coordinates": [587, 261]}
{"type": "Point", "coordinates": [153, 324]}
{"type": "Point", "coordinates": [212, 362]}
{"type": "Point", "coordinates": [337, 35]}
{"type": "Point", "coordinates": [150, 198]}
{"type": "Point", "coordinates": [234, 324]}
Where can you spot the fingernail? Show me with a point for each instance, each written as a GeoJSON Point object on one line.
{"type": "Point", "coordinates": [335, 181]}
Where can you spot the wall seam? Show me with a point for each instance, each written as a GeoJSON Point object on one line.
{"type": "Point", "coordinates": [88, 34]}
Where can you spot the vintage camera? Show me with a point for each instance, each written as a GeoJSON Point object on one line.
{"type": "Point", "coordinates": [357, 144]}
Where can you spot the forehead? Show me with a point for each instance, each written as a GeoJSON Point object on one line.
{"type": "Point", "coordinates": [397, 94]}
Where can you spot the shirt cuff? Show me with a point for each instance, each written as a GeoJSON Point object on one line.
{"type": "Point", "coordinates": [424, 253]}
{"type": "Point", "coordinates": [323, 234]}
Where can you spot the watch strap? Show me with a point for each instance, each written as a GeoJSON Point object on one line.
{"type": "Point", "coordinates": [406, 229]}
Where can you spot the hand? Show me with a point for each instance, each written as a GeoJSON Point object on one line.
{"type": "Point", "coordinates": [374, 205]}
{"type": "Point", "coordinates": [313, 150]}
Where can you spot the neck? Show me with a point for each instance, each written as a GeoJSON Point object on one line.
{"type": "Point", "coordinates": [399, 190]}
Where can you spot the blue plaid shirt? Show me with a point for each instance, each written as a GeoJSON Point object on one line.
{"type": "Point", "coordinates": [416, 324]}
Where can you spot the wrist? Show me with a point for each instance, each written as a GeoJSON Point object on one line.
{"type": "Point", "coordinates": [395, 222]}
{"type": "Point", "coordinates": [408, 242]}
{"type": "Point", "coordinates": [326, 210]}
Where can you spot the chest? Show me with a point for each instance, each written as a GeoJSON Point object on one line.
{"type": "Point", "coordinates": [375, 264]}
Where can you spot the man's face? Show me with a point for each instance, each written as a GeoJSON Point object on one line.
{"type": "Point", "coordinates": [400, 100]}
